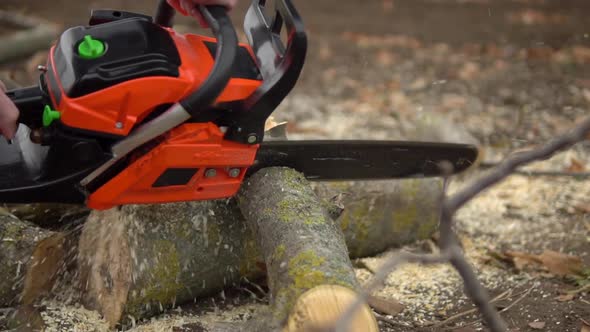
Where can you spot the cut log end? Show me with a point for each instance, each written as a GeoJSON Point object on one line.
{"type": "Point", "coordinates": [105, 267]}
{"type": "Point", "coordinates": [321, 307]}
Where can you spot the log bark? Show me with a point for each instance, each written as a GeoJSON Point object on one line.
{"type": "Point", "coordinates": [303, 248]}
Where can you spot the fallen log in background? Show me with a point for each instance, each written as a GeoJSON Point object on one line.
{"type": "Point", "coordinates": [379, 215]}
{"type": "Point", "coordinates": [32, 35]}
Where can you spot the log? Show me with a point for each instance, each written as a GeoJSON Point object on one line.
{"type": "Point", "coordinates": [18, 241]}
{"type": "Point", "coordinates": [303, 248]}
{"type": "Point", "coordinates": [379, 215]}
{"type": "Point", "coordinates": [157, 256]}
{"type": "Point", "coordinates": [212, 245]}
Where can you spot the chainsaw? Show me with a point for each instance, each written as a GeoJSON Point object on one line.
{"type": "Point", "coordinates": [127, 110]}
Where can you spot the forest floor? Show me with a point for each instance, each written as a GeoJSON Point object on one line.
{"type": "Point", "coordinates": [513, 73]}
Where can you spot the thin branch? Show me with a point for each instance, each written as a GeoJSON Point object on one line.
{"type": "Point", "coordinates": [450, 248]}
{"type": "Point", "coordinates": [506, 168]}
{"type": "Point", "coordinates": [380, 276]}
{"type": "Point", "coordinates": [469, 312]}
{"type": "Point", "coordinates": [522, 297]}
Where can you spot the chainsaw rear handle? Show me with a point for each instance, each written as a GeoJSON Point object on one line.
{"type": "Point", "coordinates": [30, 101]}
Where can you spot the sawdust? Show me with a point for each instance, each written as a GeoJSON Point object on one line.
{"type": "Point", "coordinates": [58, 318]}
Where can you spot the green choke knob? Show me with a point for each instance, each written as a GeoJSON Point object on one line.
{"type": "Point", "coordinates": [91, 48]}
{"type": "Point", "coordinates": [50, 115]}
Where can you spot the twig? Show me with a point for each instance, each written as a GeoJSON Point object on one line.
{"type": "Point", "coordinates": [508, 166]}
{"type": "Point", "coordinates": [524, 295]}
{"type": "Point", "coordinates": [518, 300]}
{"type": "Point", "coordinates": [579, 175]}
{"type": "Point", "coordinates": [468, 312]}
{"type": "Point", "coordinates": [380, 276]}
{"type": "Point", "coordinates": [450, 248]}
{"type": "Point", "coordinates": [579, 290]}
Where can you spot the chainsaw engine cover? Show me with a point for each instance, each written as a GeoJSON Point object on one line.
{"type": "Point", "coordinates": [108, 78]}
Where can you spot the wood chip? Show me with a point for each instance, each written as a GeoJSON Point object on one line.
{"type": "Point", "coordinates": [537, 325]}
{"type": "Point", "coordinates": [556, 263]}
{"type": "Point", "coordinates": [386, 306]}
{"type": "Point", "coordinates": [565, 297]}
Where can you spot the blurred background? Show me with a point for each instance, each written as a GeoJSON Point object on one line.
{"type": "Point", "coordinates": [511, 72]}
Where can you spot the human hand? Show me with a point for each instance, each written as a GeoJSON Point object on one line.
{"type": "Point", "coordinates": [8, 114]}
{"type": "Point", "coordinates": [188, 7]}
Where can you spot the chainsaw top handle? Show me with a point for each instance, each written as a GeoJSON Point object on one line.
{"type": "Point", "coordinates": [227, 46]}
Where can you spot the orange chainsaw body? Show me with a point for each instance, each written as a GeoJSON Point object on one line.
{"type": "Point", "coordinates": [193, 162]}
{"type": "Point", "coordinates": [190, 162]}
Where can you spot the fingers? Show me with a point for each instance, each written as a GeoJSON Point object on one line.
{"type": "Point", "coordinates": [8, 114]}
{"type": "Point", "coordinates": [189, 7]}
{"type": "Point", "coordinates": [176, 5]}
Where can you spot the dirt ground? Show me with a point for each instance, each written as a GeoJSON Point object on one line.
{"type": "Point", "coordinates": [513, 73]}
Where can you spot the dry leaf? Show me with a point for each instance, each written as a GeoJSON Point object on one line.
{"type": "Point", "coordinates": [565, 297]}
{"type": "Point", "coordinates": [385, 306]}
{"type": "Point", "coordinates": [387, 5]}
{"type": "Point", "coordinates": [581, 54]}
{"type": "Point", "coordinates": [576, 166]}
{"type": "Point", "coordinates": [556, 263]}
{"type": "Point", "coordinates": [325, 52]}
{"type": "Point", "coordinates": [583, 207]}
{"type": "Point", "coordinates": [537, 325]}
{"type": "Point", "coordinates": [384, 58]}
{"type": "Point", "coordinates": [561, 264]}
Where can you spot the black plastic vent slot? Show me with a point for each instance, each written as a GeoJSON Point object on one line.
{"type": "Point", "coordinates": [175, 177]}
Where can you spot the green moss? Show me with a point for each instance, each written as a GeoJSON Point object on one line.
{"type": "Point", "coordinates": [280, 251]}
{"type": "Point", "coordinates": [404, 218]}
{"type": "Point", "coordinates": [362, 217]}
{"type": "Point", "coordinates": [427, 228]}
{"type": "Point", "coordinates": [161, 284]}
{"type": "Point", "coordinates": [301, 269]}
{"type": "Point", "coordinates": [305, 272]}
